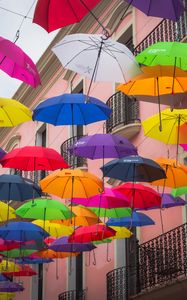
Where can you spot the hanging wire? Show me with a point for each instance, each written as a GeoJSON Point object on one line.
{"type": "Point", "coordinates": [15, 13]}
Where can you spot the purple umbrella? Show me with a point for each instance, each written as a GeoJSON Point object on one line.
{"type": "Point", "coordinates": [2, 152]}
{"type": "Point", "coordinates": [167, 9]}
{"type": "Point", "coordinates": [103, 146]}
{"type": "Point", "coordinates": [62, 245]}
{"type": "Point", "coordinates": [108, 199]}
{"type": "Point", "coordinates": [9, 287]}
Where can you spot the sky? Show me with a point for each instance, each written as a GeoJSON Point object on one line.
{"type": "Point", "coordinates": [33, 39]}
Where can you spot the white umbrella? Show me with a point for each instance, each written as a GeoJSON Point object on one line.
{"type": "Point", "coordinates": [97, 58]}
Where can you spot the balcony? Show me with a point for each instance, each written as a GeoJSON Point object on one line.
{"type": "Point", "coordinates": [162, 262]}
{"type": "Point", "coordinates": [166, 31]}
{"type": "Point", "coordinates": [73, 161]}
{"type": "Point", "coordinates": [124, 119]}
{"type": "Point", "coordinates": [73, 295]}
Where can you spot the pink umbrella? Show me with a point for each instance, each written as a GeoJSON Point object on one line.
{"type": "Point", "coordinates": [109, 199]}
{"type": "Point", "coordinates": [17, 64]}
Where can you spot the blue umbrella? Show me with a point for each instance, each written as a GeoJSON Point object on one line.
{"type": "Point", "coordinates": [3, 278]}
{"type": "Point", "coordinates": [17, 188]}
{"type": "Point", "coordinates": [71, 109]}
{"type": "Point", "coordinates": [137, 219]}
{"type": "Point", "coordinates": [133, 168]}
{"type": "Point", "coordinates": [2, 152]}
{"type": "Point", "coordinates": [22, 231]}
{"type": "Point", "coordinates": [9, 287]}
{"type": "Point", "coordinates": [30, 261]}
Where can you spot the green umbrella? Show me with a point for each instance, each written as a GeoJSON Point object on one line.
{"type": "Point", "coordinates": [165, 54]}
{"type": "Point", "coordinates": [179, 191]}
{"type": "Point", "coordinates": [112, 212]}
{"type": "Point", "coordinates": [102, 241]}
{"type": "Point", "coordinates": [14, 253]}
{"type": "Point", "coordinates": [44, 209]}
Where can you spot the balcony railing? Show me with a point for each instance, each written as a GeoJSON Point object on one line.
{"type": "Point", "coordinates": [165, 31]}
{"type": "Point", "coordinates": [73, 295]}
{"type": "Point", "coordinates": [73, 161]}
{"type": "Point", "coordinates": [125, 111]}
{"type": "Point", "coordinates": [162, 260]}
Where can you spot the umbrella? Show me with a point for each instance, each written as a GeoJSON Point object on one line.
{"type": "Point", "coordinates": [17, 64]}
{"type": "Point", "coordinates": [7, 296]}
{"type": "Point", "coordinates": [165, 54]}
{"type": "Point", "coordinates": [139, 196]}
{"type": "Point", "coordinates": [133, 168]}
{"type": "Point", "coordinates": [103, 146]}
{"type": "Point", "coordinates": [9, 286]}
{"type": "Point", "coordinates": [97, 58]}
{"type": "Point", "coordinates": [54, 229]}
{"type": "Point", "coordinates": [3, 278]}
{"type": "Point", "coordinates": [179, 191]}
{"type": "Point", "coordinates": [30, 260]}
{"type": "Point", "coordinates": [2, 153]}
{"type": "Point", "coordinates": [167, 9]}
{"type": "Point", "coordinates": [62, 245]}
{"type": "Point", "coordinates": [16, 253]}
{"type": "Point", "coordinates": [105, 241]}
{"type": "Point", "coordinates": [8, 245]}
{"type": "Point", "coordinates": [71, 184]}
{"type": "Point", "coordinates": [176, 173]}
{"type": "Point", "coordinates": [31, 158]}
{"type": "Point", "coordinates": [8, 266]}
{"type": "Point", "coordinates": [52, 254]}
{"type": "Point", "coordinates": [44, 209]}
{"type": "Point", "coordinates": [17, 188]}
{"type": "Point", "coordinates": [71, 109]}
{"type": "Point", "coordinates": [112, 212]}
{"type": "Point", "coordinates": [52, 15]}
{"type": "Point", "coordinates": [108, 199]}
{"type": "Point", "coordinates": [22, 231]}
{"type": "Point", "coordinates": [121, 232]}
{"type": "Point", "coordinates": [5, 211]}
{"type": "Point", "coordinates": [170, 201]}
{"type": "Point", "coordinates": [24, 271]}
{"type": "Point", "coordinates": [91, 233]}
{"type": "Point", "coordinates": [137, 219]}
{"type": "Point", "coordinates": [13, 112]}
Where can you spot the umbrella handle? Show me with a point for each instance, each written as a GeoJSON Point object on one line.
{"type": "Point", "coordinates": [57, 275]}
{"type": "Point", "coordinates": [94, 258]}
{"type": "Point", "coordinates": [107, 251]}
{"type": "Point", "coordinates": [87, 265]}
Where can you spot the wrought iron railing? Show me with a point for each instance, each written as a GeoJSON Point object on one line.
{"type": "Point", "coordinates": [73, 161]}
{"type": "Point", "coordinates": [125, 111]}
{"type": "Point", "coordinates": [165, 31]}
{"type": "Point", "coordinates": [162, 260]}
{"type": "Point", "coordinates": [73, 295]}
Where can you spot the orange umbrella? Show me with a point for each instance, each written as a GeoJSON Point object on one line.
{"type": "Point", "coordinates": [71, 184]}
{"type": "Point", "coordinates": [52, 254]}
{"type": "Point", "coordinates": [176, 173]}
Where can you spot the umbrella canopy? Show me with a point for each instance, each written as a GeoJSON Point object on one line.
{"type": "Point", "coordinates": [133, 168]}
{"type": "Point", "coordinates": [105, 241]}
{"type": "Point", "coordinates": [6, 212]}
{"type": "Point", "coordinates": [8, 266]}
{"type": "Point", "coordinates": [22, 231]}
{"type": "Point", "coordinates": [139, 196]}
{"type": "Point", "coordinates": [71, 184]}
{"type": "Point", "coordinates": [164, 53]}
{"type": "Point", "coordinates": [31, 158]}
{"type": "Point", "coordinates": [55, 229]}
{"type": "Point", "coordinates": [71, 109]}
{"type": "Point", "coordinates": [9, 286]}
{"type": "Point", "coordinates": [62, 245]}
{"type": "Point", "coordinates": [16, 253]}
{"type": "Point", "coordinates": [112, 212]}
{"type": "Point", "coordinates": [17, 188]}
{"type": "Point", "coordinates": [2, 153]}
{"type": "Point", "coordinates": [33, 261]}
{"type": "Point", "coordinates": [103, 146]}
{"type": "Point", "coordinates": [176, 173]}
{"type": "Point", "coordinates": [96, 58]}
{"type": "Point", "coordinates": [170, 201]}
{"type": "Point", "coordinates": [8, 245]}
{"type": "Point", "coordinates": [3, 278]}
{"type": "Point", "coordinates": [52, 14]}
{"type": "Point", "coordinates": [24, 271]}
{"type": "Point", "coordinates": [167, 9]}
{"type": "Point", "coordinates": [53, 254]}
{"type": "Point", "coordinates": [91, 233]}
{"type": "Point", "coordinates": [179, 191]}
{"type": "Point", "coordinates": [108, 199]}
{"type": "Point", "coordinates": [13, 112]}
{"type": "Point", "coordinates": [17, 64]}
{"type": "Point", "coordinates": [44, 209]}
{"type": "Point", "coordinates": [137, 219]}
{"type": "Point", "coordinates": [7, 296]}
{"type": "Point", "coordinates": [121, 232]}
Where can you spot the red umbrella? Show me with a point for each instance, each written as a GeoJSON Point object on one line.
{"type": "Point", "coordinates": [54, 14]}
{"type": "Point", "coordinates": [139, 196]}
{"type": "Point", "coordinates": [24, 271]}
{"type": "Point", "coordinates": [91, 233]}
{"type": "Point", "coordinates": [31, 158]}
{"type": "Point", "coordinates": [9, 245]}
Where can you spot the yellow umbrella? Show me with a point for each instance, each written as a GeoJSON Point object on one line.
{"type": "Point", "coordinates": [7, 296]}
{"type": "Point", "coordinates": [54, 229]}
{"type": "Point", "coordinates": [121, 232]}
{"type": "Point", "coordinates": [71, 184]}
{"type": "Point", "coordinates": [8, 266]}
{"type": "Point", "coordinates": [13, 112]}
{"type": "Point", "coordinates": [6, 212]}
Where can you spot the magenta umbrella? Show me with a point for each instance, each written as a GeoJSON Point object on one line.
{"type": "Point", "coordinates": [108, 199]}
{"type": "Point", "coordinates": [17, 64]}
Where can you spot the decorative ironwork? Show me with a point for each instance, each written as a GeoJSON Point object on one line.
{"type": "Point", "coordinates": [117, 284]}
{"type": "Point", "coordinates": [73, 295]}
{"type": "Point", "coordinates": [165, 31]}
{"type": "Point", "coordinates": [125, 110]}
{"type": "Point", "coordinates": [73, 161]}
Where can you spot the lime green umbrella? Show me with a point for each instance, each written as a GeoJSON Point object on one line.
{"type": "Point", "coordinates": [44, 209]}
{"type": "Point", "coordinates": [112, 212]}
{"type": "Point", "coordinates": [165, 54]}
{"type": "Point", "coordinates": [179, 191]}
{"type": "Point", "coordinates": [14, 253]}
{"type": "Point", "coordinates": [109, 240]}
